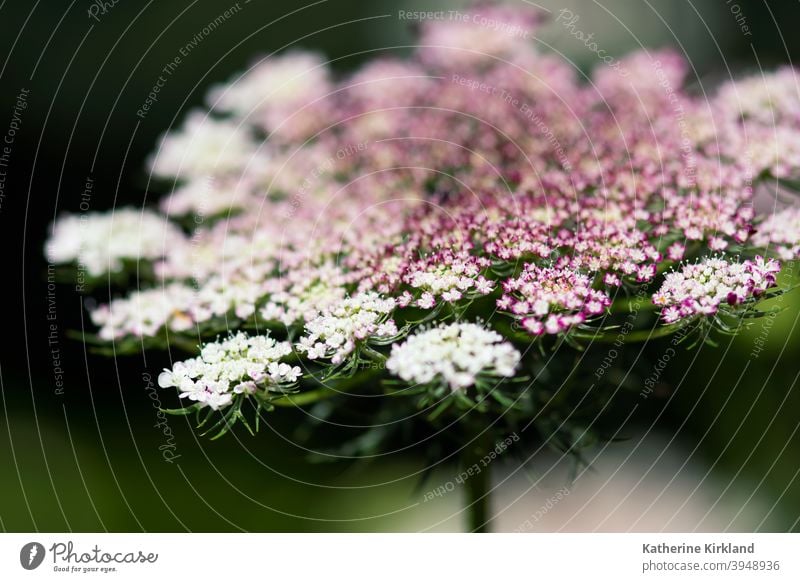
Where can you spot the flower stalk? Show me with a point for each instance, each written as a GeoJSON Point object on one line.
{"type": "Point", "coordinates": [478, 488]}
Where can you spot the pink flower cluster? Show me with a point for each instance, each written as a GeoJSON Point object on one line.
{"type": "Point", "coordinates": [780, 233]}
{"type": "Point", "coordinates": [551, 299]}
{"type": "Point", "coordinates": [700, 288]}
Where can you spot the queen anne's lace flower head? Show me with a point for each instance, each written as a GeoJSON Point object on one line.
{"type": "Point", "coordinates": [700, 288]}
{"type": "Point", "coordinates": [456, 354]}
{"type": "Point", "coordinates": [345, 210]}
{"type": "Point", "coordinates": [241, 364]}
{"type": "Point", "coordinates": [364, 218]}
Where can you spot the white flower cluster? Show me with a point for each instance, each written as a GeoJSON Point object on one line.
{"type": "Point", "coordinates": [240, 364]}
{"type": "Point", "coordinates": [456, 354]}
{"type": "Point", "coordinates": [276, 82]}
{"type": "Point", "coordinates": [780, 233]}
{"type": "Point", "coordinates": [449, 277]}
{"type": "Point", "coordinates": [219, 251]}
{"type": "Point", "coordinates": [144, 313]}
{"type": "Point", "coordinates": [446, 283]}
{"type": "Point", "coordinates": [179, 307]}
{"type": "Point", "coordinates": [205, 197]}
{"type": "Point", "coordinates": [303, 293]}
{"type": "Point", "coordinates": [203, 146]}
{"type": "Point", "coordinates": [769, 99]}
{"type": "Point", "coordinates": [334, 333]}
{"type": "Point", "coordinates": [700, 288]}
{"type": "Point", "coordinates": [485, 32]}
{"type": "Point", "coordinates": [99, 242]}
{"type": "Point", "coordinates": [298, 297]}
{"type": "Point", "coordinates": [281, 94]}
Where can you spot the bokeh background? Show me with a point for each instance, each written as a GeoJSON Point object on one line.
{"type": "Point", "coordinates": [716, 447]}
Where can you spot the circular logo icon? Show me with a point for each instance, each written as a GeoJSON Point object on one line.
{"type": "Point", "coordinates": [31, 555]}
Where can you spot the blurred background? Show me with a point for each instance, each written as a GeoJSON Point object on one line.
{"type": "Point", "coordinates": [81, 445]}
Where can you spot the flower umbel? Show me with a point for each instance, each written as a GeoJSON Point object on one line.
{"type": "Point", "coordinates": [551, 300]}
{"type": "Point", "coordinates": [458, 354]}
{"type": "Point", "coordinates": [700, 288]}
{"type": "Point", "coordinates": [239, 365]}
{"type": "Point", "coordinates": [337, 331]}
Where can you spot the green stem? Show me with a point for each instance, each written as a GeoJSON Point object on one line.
{"type": "Point", "coordinates": [325, 391]}
{"type": "Point", "coordinates": [478, 486]}
{"type": "Point", "coordinates": [373, 355]}
{"type": "Point", "coordinates": [644, 335]}
{"type": "Point", "coordinates": [641, 335]}
{"type": "Point", "coordinates": [305, 397]}
{"type": "Point", "coordinates": [625, 304]}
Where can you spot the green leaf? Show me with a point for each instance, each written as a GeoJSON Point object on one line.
{"type": "Point", "coordinates": [185, 411]}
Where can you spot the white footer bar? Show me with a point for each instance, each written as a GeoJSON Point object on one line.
{"type": "Point", "coordinates": [400, 557]}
